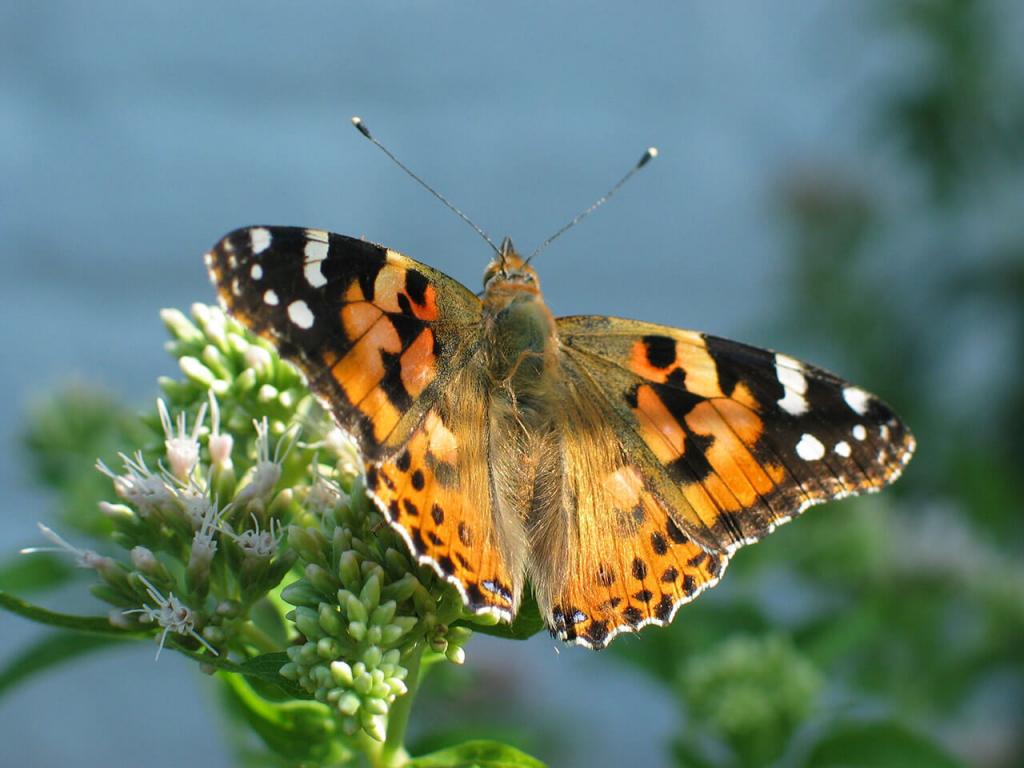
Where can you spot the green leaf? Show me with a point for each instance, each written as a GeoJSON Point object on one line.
{"type": "Point", "coordinates": [689, 755]}
{"type": "Point", "coordinates": [477, 754]}
{"type": "Point", "coordinates": [303, 732]}
{"type": "Point", "coordinates": [52, 650]}
{"type": "Point", "coordinates": [877, 745]}
{"type": "Point", "coordinates": [38, 572]}
{"type": "Point", "coordinates": [527, 623]}
{"type": "Point", "coordinates": [94, 624]}
{"type": "Point", "coordinates": [264, 668]}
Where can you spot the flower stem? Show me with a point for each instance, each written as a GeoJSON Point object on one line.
{"type": "Point", "coordinates": [393, 754]}
{"type": "Point", "coordinates": [257, 637]}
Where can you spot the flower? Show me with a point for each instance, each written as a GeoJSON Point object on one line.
{"type": "Point", "coordinates": [266, 471]}
{"type": "Point", "coordinates": [219, 445]}
{"type": "Point", "coordinates": [220, 545]}
{"type": "Point", "coordinates": [84, 558]}
{"type": "Point", "coordinates": [182, 447]}
{"type": "Point", "coordinates": [171, 614]}
{"type": "Point", "coordinates": [139, 486]}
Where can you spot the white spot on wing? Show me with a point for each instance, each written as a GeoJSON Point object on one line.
{"type": "Point", "coordinates": [300, 314]}
{"type": "Point", "coordinates": [843, 449]}
{"type": "Point", "coordinates": [857, 399]}
{"type": "Point", "coordinates": [256, 272]}
{"type": "Point", "coordinates": [810, 448]}
{"type": "Point", "coordinates": [859, 432]}
{"type": "Point", "coordinates": [791, 376]}
{"type": "Point", "coordinates": [260, 239]}
{"type": "Point", "coordinates": [316, 252]}
{"type": "Point", "coordinates": [270, 297]}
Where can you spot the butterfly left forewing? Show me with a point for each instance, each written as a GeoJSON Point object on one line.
{"type": "Point", "coordinates": [390, 346]}
{"type": "Point", "coordinates": [377, 334]}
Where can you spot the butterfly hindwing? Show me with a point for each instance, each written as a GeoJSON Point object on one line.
{"type": "Point", "coordinates": [376, 334]}
{"type": "Point", "coordinates": [436, 492]}
{"type": "Point", "coordinates": [751, 437]}
{"type": "Point", "coordinates": [613, 553]}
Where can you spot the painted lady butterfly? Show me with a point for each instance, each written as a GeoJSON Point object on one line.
{"type": "Point", "coordinates": [613, 465]}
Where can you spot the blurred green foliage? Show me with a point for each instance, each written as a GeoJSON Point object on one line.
{"type": "Point", "coordinates": [908, 606]}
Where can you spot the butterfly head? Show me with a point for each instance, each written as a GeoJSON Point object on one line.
{"type": "Point", "coordinates": [509, 272]}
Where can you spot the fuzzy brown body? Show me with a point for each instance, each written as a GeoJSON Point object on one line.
{"type": "Point", "coordinates": [529, 407]}
{"type": "Point", "coordinates": [614, 466]}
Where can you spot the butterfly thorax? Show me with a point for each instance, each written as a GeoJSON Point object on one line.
{"type": "Point", "coordinates": [519, 330]}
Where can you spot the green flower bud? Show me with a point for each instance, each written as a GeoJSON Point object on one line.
{"type": "Point", "coordinates": [196, 372]}
{"type": "Point", "coordinates": [397, 564]}
{"type": "Point", "coordinates": [349, 703]}
{"type": "Point", "coordinates": [348, 571]}
{"type": "Point", "coordinates": [372, 656]}
{"type": "Point", "coordinates": [301, 592]}
{"type": "Point", "coordinates": [341, 672]}
{"type": "Point", "coordinates": [401, 590]}
{"type": "Point", "coordinates": [370, 594]}
{"type": "Point", "coordinates": [376, 726]}
{"type": "Point", "coordinates": [308, 622]}
{"type": "Point", "coordinates": [215, 635]}
{"type": "Point", "coordinates": [383, 613]}
{"type": "Point", "coordinates": [245, 381]}
{"type": "Point", "coordinates": [327, 648]}
{"type": "Point", "coordinates": [309, 543]}
{"type": "Point", "coordinates": [356, 610]}
{"type": "Point", "coordinates": [357, 630]}
{"type": "Point", "coordinates": [330, 619]}
{"type": "Point", "coordinates": [215, 361]}
{"type": "Point", "coordinates": [375, 705]}
{"type": "Point", "coordinates": [321, 579]}
{"type": "Point", "coordinates": [267, 394]}
{"type": "Point", "coordinates": [180, 326]}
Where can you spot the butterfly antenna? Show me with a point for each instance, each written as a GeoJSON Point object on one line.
{"type": "Point", "coordinates": [650, 154]}
{"type": "Point", "coordinates": [361, 127]}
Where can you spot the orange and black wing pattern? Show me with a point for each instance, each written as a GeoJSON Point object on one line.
{"type": "Point", "coordinates": [728, 440]}
{"type": "Point", "coordinates": [386, 343]}
{"type": "Point", "coordinates": [376, 334]}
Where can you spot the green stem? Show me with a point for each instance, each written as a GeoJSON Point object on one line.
{"type": "Point", "coordinates": [393, 753]}
{"type": "Point", "coordinates": [253, 634]}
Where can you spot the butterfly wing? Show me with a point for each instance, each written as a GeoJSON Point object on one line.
{"type": "Point", "coordinates": [389, 345]}
{"type": "Point", "coordinates": [437, 492]}
{"type": "Point", "coordinates": [727, 442]}
{"type": "Point", "coordinates": [376, 334]}
{"type": "Point", "coordinates": [612, 540]}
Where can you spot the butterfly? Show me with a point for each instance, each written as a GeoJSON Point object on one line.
{"type": "Point", "coordinates": [613, 466]}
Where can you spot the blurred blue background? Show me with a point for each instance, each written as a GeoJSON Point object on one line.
{"type": "Point", "coordinates": [133, 135]}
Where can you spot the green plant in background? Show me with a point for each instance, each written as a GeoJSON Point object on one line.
{"type": "Point", "coordinates": [241, 536]}
{"type": "Point", "coordinates": [886, 631]}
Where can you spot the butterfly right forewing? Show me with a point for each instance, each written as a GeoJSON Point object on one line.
{"type": "Point", "coordinates": [717, 444]}
{"type": "Point", "coordinates": [751, 437]}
